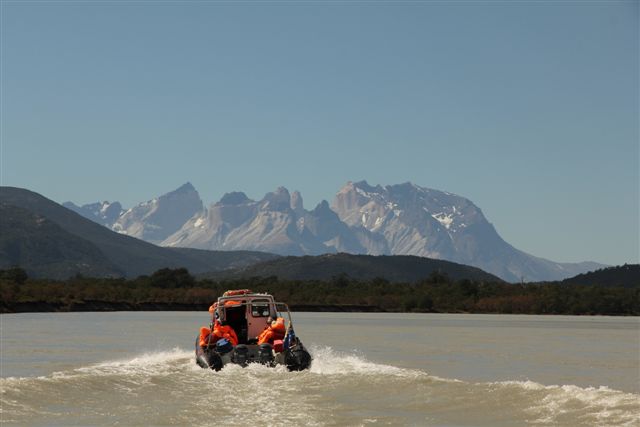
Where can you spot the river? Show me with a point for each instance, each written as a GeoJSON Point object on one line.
{"type": "Point", "coordinates": [137, 368]}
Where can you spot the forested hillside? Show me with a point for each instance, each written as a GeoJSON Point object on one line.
{"type": "Point", "coordinates": [176, 289]}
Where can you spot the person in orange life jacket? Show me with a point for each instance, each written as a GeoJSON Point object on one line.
{"type": "Point", "coordinates": [210, 336]}
{"type": "Point", "coordinates": [205, 333]}
{"type": "Point", "coordinates": [225, 331]}
{"type": "Point", "coordinates": [276, 330]}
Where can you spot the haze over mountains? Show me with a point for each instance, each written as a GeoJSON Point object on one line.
{"type": "Point", "coordinates": [403, 219]}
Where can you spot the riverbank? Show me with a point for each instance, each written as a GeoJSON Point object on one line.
{"type": "Point", "coordinates": [176, 290]}
{"type": "Point", "coordinates": [106, 306]}
{"type": "Point", "coordinates": [110, 306]}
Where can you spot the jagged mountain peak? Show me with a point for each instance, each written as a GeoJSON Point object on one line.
{"type": "Point", "coordinates": [234, 198]}
{"type": "Point", "coordinates": [278, 200]}
{"type": "Point", "coordinates": [322, 208]}
{"type": "Point", "coordinates": [187, 186]}
{"type": "Point", "coordinates": [278, 192]}
{"type": "Point", "coordinates": [405, 201]}
{"type": "Point", "coordinates": [362, 187]}
{"type": "Point", "coordinates": [297, 203]}
{"type": "Point", "coordinates": [157, 219]}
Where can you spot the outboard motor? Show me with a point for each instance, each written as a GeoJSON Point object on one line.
{"type": "Point", "coordinates": [212, 359]}
{"type": "Point", "coordinates": [265, 354]}
{"type": "Point", "coordinates": [208, 358]}
{"type": "Point", "coordinates": [240, 355]}
{"type": "Point", "coordinates": [297, 359]}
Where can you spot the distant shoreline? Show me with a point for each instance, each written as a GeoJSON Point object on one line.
{"type": "Point", "coordinates": [108, 306]}
{"type": "Point", "coordinates": [177, 290]}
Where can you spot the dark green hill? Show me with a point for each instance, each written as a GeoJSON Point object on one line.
{"type": "Point", "coordinates": [394, 268]}
{"type": "Point", "coordinates": [627, 275]}
{"type": "Point", "coordinates": [32, 240]}
{"type": "Point", "coordinates": [85, 242]}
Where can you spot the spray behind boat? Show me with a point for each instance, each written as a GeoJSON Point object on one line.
{"type": "Point", "coordinates": [249, 327]}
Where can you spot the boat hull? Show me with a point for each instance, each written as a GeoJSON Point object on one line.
{"type": "Point", "coordinates": [296, 358]}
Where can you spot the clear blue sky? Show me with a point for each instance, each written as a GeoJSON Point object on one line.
{"type": "Point", "coordinates": [529, 109]}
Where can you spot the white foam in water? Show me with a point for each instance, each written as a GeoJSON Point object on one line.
{"type": "Point", "coordinates": [144, 361]}
{"type": "Point", "coordinates": [551, 402]}
{"type": "Point", "coordinates": [537, 403]}
{"type": "Point", "coordinates": [144, 364]}
{"type": "Point", "coordinates": [327, 361]}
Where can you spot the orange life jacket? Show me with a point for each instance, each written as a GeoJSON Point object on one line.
{"type": "Point", "coordinates": [275, 331]}
{"type": "Point", "coordinates": [236, 292]}
{"type": "Point", "coordinates": [205, 334]}
{"type": "Point", "coordinates": [226, 332]}
{"type": "Point", "coordinates": [232, 302]}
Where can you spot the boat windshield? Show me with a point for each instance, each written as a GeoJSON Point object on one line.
{"type": "Point", "coordinates": [258, 307]}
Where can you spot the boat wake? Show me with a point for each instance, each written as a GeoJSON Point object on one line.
{"type": "Point", "coordinates": [166, 387]}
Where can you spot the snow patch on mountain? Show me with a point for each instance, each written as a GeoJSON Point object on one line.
{"type": "Point", "coordinates": [443, 219]}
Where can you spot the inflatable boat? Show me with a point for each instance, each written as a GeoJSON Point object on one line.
{"type": "Point", "coordinates": [248, 327]}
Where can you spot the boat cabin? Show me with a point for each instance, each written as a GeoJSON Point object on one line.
{"type": "Point", "coordinates": [247, 313]}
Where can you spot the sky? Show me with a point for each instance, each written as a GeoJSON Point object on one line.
{"type": "Point", "coordinates": [529, 109]}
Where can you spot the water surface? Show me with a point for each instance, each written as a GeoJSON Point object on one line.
{"type": "Point", "coordinates": [132, 368]}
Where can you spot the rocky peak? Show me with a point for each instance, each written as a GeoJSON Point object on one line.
{"type": "Point", "coordinates": [323, 210]}
{"type": "Point", "coordinates": [184, 188]}
{"type": "Point", "coordinates": [234, 198]}
{"type": "Point", "coordinates": [105, 213]}
{"type": "Point", "coordinates": [279, 200]}
{"type": "Point", "coordinates": [296, 203]}
{"type": "Point", "coordinates": [158, 218]}
{"type": "Point", "coordinates": [364, 186]}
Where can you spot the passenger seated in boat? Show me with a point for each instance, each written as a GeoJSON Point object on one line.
{"type": "Point", "coordinates": [274, 331]}
{"type": "Point", "coordinates": [225, 331]}
{"type": "Point", "coordinates": [209, 338]}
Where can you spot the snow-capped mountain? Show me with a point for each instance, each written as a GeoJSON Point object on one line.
{"type": "Point", "coordinates": [153, 220]}
{"type": "Point", "coordinates": [105, 213]}
{"type": "Point", "coordinates": [402, 219]}
{"type": "Point", "coordinates": [158, 218]}
{"type": "Point", "coordinates": [436, 224]}
{"type": "Point", "coordinates": [274, 224]}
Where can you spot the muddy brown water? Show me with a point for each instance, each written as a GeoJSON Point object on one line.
{"type": "Point", "coordinates": [137, 368]}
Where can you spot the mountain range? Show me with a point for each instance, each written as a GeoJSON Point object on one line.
{"type": "Point", "coordinates": [402, 219]}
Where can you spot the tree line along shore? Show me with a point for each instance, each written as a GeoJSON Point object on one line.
{"type": "Point", "coordinates": [177, 289]}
